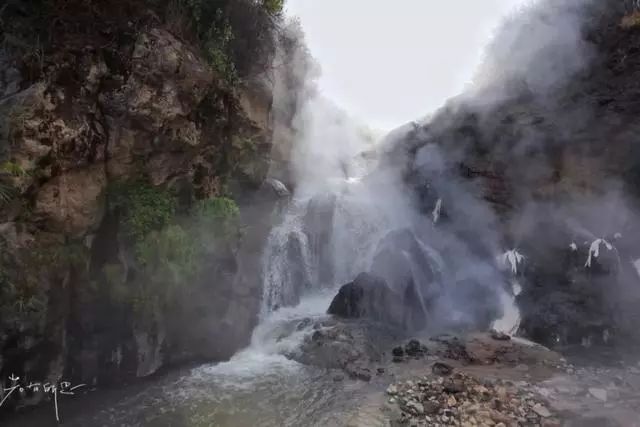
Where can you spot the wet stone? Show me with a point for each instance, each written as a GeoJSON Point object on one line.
{"type": "Point", "coordinates": [499, 336]}
{"type": "Point", "coordinates": [441, 369]}
{"type": "Point", "coordinates": [415, 349]}
{"type": "Point", "coordinates": [398, 352]}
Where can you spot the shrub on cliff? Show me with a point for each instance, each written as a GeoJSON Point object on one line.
{"type": "Point", "coordinates": [237, 36]}
{"type": "Point", "coordinates": [169, 244]}
{"type": "Point", "coordinates": [8, 170]}
{"type": "Point", "coordinates": [218, 214]}
{"type": "Point", "coordinates": [631, 21]}
{"type": "Point", "coordinates": [144, 208]}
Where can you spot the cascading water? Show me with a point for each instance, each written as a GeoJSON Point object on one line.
{"type": "Point", "coordinates": [324, 241]}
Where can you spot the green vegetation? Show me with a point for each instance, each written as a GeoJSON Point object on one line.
{"type": "Point", "coordinates": [168, 260]}
{"type": "Point", "coordinates": [273, 7]}
{"type": "Point", "coordinates": [215, 34]}
{"type": "Point", "coordinates": [220, 213]}
{"type": "Point", "coordinates": [19, 301]}
{"type": "Point", "coordinates": [169, 248]}
{"type": "Point", "coordinates": [631, 21]}
{"type": "Point", "coordinates": [144, 208]}
{"type": "Point", "coordinates": [8, 171]}
{"type": "Point", "coordinates": [23, 296]}
{"type": "Point", "coordinates": [237, 36]}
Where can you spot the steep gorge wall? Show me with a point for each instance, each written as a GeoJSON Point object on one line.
{"type": "Point", "coordinates": [122, 250]}
{"type": "Point", "coordinates": [544, 160]}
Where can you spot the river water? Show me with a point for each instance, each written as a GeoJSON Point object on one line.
{"type": "Point", "coordinates": [258, 387]}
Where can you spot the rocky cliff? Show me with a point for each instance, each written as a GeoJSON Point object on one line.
{"type": "Point", "coordinates": [541, 160]}
{"type": "Point", "coordinates": [130, 156]}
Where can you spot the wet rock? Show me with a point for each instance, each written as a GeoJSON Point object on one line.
{"type": "Point", "coordinates": [407, 266]}
{"type": "Point", "coordinates": [415, 407]}
{"type": "Point", "coordinates": [368, 297]}
{"type": "Point", "coordinates": [397, 352]}
{"type": "Point", "coordinates": [415, 349]}
{"type": "Point", "coordinates": [499, 336]}
{"type": "Point", "coordinates": [357, 347]}
{"type": "Point", "coordinates": [451, 348]}
{"type": "Point", "coordinates": [277, 188]}
{"type": "Point", "coordinates": [359, 373]}
{"type": "Point", "coordinates": [442, 369]}
{"type": "Point", "coordinates": [304, 324]}
{"type": "Point", "coordinates": [453, 386]}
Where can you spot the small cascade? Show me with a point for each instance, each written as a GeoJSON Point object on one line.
{"type": "Point", "coordinates": [509, 323]}
{"type": "Point", "coordinates": [287, 261]}
{"type": "Point", "coordinates": [324, 241]}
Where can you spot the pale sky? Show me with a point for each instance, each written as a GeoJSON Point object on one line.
{"type": "Point", "coordinates": [390, 62]}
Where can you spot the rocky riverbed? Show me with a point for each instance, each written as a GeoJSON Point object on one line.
{"type": "Point", "coordinates": [479, 379]}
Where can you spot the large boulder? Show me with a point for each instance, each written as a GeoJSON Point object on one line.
{"type": "Point", "coordinates": [369, 297]}
{"type": "Point", "coordinates": [411, 269]}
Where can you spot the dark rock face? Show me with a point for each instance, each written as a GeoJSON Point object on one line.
{"type": "Point", "coordinates": [355, 346]}
{"type": "Point", "coordinates": [410, 269]}
{"type": "Point", "coordinates": [369, 297]}
{"type": "Point", "coordinates": [402, 261]}
{"type": "Point", "coordinates": [519, 165]}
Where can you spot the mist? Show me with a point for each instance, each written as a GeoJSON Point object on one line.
{"type": "Point", "coordinates": [466, 245]}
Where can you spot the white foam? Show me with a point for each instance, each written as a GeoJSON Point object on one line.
{"type": "Point", "coordinates": [510, 321]}
{"type": "Point", "coordinates": [636, 264]}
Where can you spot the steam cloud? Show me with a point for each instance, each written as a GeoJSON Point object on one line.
{"type": "Point", "coordinates": [507, 166]}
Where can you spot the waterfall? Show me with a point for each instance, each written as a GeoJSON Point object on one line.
{"type": "Point", "coordinates": [323, 242]}
{"type": "Point", "coordinates": [283, 277]}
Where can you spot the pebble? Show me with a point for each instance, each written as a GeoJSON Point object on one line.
{"type": "Point", "coordinates": [462, 400]}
